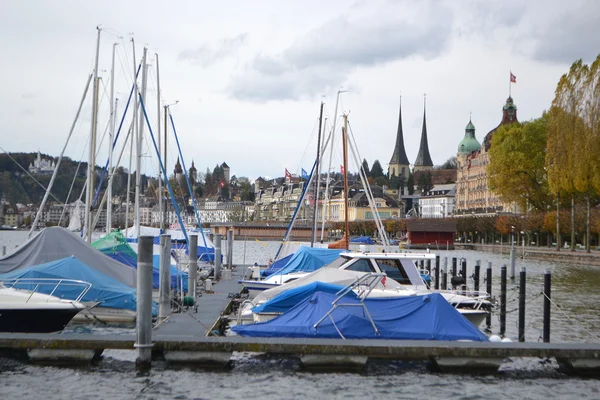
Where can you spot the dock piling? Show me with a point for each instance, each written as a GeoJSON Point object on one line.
{"type": "Point", "coordinates": [522, 295]}
{"type": "Point", "coordinates": [164, 287]}
{"type": "Point", "coordinates": [503, 300]}
{"type": "Point", "coordinates": [444, 285]}
{"type": "Point", "coordinates": [453, 267]}
{"type": "Point", "coordinates": [217, 256]}
{"type": "Point", "coordinates": [229, 248]}
{"type": "Point", "coordinates": [463, 268]}
{"type": "Point", "coordinates": [547, 287]}
{"type": "Point", "coordinates": [143, 342]}
{"type": "Point", "coordinates": [3, 250]}
{"type": "Point", "coordinates": [512, 263]}
{"type": "Point", "coordinates": [476, 275]}
{"type": "Point", "coordinates": [193, 267]}
{"type": "Point", "coordinates": [488, 283]}
{"type": "Point", "coordinates": [437, 273]}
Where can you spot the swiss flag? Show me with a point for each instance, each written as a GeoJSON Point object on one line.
{"type": "Point", "coordinates": [383, 281]}
{"type": "Point", "coordinates": [342, 169]}
{"type": "Point", "coordinates": [287, 174]}
{"type": "Point", "coordinates": [513, 79]}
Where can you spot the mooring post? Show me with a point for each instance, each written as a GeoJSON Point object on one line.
{"type": "Point", "coordinates": [428, 267]}
{"type": "Point", "coordinates": [3, 250]}
{"type": "Point", "coordinates": [453, 266]}
{"type": "Point", "coordinates": [164, 286]}
{"type": "Point", "coordinates": [547, 287]}
{"type": "Point", "coordinates": [512, 263]}
{"type": "Point", "coordinates": [476, 275]}
{"type": "Point", "coordinates": [503, 300]}
{"type": "Point", "coordinates": [193, 267]}
{"type": "Point", "coordinates": [444, 285]}
{"type": "Point", "coordinates": [488, 282]}
{"type": "Point", "coordinates": [217, 256]}
{"type": "Point", "coordinates": [463, 269]}
{"type": "Point", "coordinates": [522, 276]}
{"type": "Point", "coordinates": [437, 273]}
{"type": "Point", "coordinates": [230, 248]}
{"type": "Point", "coordinates": [144, 302]}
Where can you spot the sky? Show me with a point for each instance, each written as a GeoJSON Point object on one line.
{"type": "Point", "coordinates": [244, 80]}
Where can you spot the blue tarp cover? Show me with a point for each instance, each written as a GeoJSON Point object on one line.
{"type": "Point", "coordinates": [362, 239]}
{"type": "Point", "coordinates": [288, 299]}
{"type": "Point", "coordinates": [309, 259]}
{"type": "Point", "coordinates": [427, 317]}
{"type": "Point", "coordinates": [110, 292]}
{"type": "Point", "coordinates": [277, 265]}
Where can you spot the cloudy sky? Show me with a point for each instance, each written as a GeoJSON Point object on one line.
{"type": "Point", "coordinates": [249, 76]}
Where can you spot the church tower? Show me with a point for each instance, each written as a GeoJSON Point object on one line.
{"type": "Point", "coordinates": [399, 165]}
{"type": "Point", "coordinates": [178, 172]}
{"type": "Point", "coordinates": [423, 161]}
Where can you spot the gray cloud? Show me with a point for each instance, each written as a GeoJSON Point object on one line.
{"type": "Point", "coordinates": [571, 35]}
{"type": "Point", "coordinates": [325, 57]}
{"type": "Point", "coordinates": [207, 54]}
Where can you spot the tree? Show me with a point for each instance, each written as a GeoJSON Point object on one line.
{"type": "Point", "coordinates": [449, 164]}
{"type": "Point", "coordinates": [376, 170]}
{"type": "Point", "coordinates": [425, 182]}
{"type": "Point", "coordinates": [365, 166]}
{"type": "Point", "coordinates": [517, 164]}
{"type": "Point", "coordinates": [410, 184]}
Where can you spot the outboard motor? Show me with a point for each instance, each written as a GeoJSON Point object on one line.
{"type": "Point", "coordinates": [457, 281]}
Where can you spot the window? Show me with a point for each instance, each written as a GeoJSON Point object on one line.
{"type": "Point", "coordinates": [361, 265]}
{"type": "Point", "coordinates": [394, 269]}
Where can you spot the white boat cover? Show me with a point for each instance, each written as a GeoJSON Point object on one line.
{"type": "Point", "coordinates": [55, 243]}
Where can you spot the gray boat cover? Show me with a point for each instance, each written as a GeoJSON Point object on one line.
{"type": "Point", "coordinates": [55, 243]}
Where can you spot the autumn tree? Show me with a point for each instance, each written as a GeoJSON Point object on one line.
{"type": "Point", "coordinates": [517, 164]}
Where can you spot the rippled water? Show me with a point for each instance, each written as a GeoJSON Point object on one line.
{"type": "Point", "coordinates": [575, 290]}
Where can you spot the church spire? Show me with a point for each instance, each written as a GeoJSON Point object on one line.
{"type": "Point", "coordinates": [423, 161]}
{"type": "Point", "coordinates": [399, 163]}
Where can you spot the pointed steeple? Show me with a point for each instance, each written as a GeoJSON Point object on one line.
{"type": "Point", "coordinates": [423, 161]}
{"type": "Point", "coordinates": [399, 163]}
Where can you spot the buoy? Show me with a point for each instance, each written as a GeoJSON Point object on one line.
{"type": "Point", "coordinates": [495, 338]}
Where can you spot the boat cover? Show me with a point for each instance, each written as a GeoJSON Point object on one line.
{"type": "Point", "coordinates": [309, 259]}
{"type": "Point", "coordinates": [106, 290]}
{"type": "Point", "coordinates": [362, 239]}
{"type": "Point", "coordinates": [277, 265]}
{"type": "Point", "coordinates": [427, 317]}
{"type": "Point", "coordinates": [55, 243]}
{"type": "Point", "coordinates": [116, 247]}
{"type": "Point", "coordinates": [288, 299]}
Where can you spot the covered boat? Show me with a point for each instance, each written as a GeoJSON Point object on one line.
{"type": "Point", "coordinates": [427, 317]}
{"type": "Point", "coordinates": [106, 291]}
{"type": "Point", "coordinates": [56, 243]}
{"type": "Point", "coordinates": [362, 240]}
{"type": "Point", "coordinates": [309, 259]}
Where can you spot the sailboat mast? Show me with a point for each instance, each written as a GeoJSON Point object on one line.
{"type": "Point", "coordinates": [92, 153]}
{"type": "Point", "coordinates": [160, 200]}
{"type": "Point", "coordinates": [111, 136]}
{"type": "Point", "coordinates": [163, 220]}
{"type": "Point", "coordinates": [316, 191]}
{"type": "Point", "coordinates": [138, 167]}
{"type": "Point", "coordinates": [345, 147]}
{"type": "Point", "coordinates": [134, 138]}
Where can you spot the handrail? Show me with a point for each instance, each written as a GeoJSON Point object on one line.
{"type": "Point", "coordinates": [38, 282]}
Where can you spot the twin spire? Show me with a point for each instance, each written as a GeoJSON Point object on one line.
{"type": "Point", "coordinates": [423, 160]}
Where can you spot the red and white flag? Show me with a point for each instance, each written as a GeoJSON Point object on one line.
{"type": "Point", "coordinates": [287, 174]}
{"type": "Point", "coordinates": [342, 169]}
{"type": "Point", "coordinates": [513, 79]}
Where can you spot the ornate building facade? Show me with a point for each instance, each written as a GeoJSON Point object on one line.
{"type": "Point", "coordinates": [473, 196]}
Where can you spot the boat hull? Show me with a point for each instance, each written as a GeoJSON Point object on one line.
{"type": "Point", "coordinates": [42, 320]}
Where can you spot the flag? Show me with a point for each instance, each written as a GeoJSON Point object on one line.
{"type": "Point", "coordinates": [342, 169]}
{"type": "Point", "coordinates": [383, 280]}
{"type": "Point", "coordinates": [287, 174]}
{"type": "Point", "coordinates": [304, 174]}
{"type": "Point", "coordinates": [513, 79]}
{"type": "Point", "coordinates": [222, 184]}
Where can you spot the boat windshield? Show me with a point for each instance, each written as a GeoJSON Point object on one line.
{"type": "Point", "coordinates": [361, 265]}
{"type": "Point", "coordinates": [394, 269]}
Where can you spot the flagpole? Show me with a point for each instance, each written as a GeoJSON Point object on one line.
{"type": "Point", "coordinates": [509, 83]}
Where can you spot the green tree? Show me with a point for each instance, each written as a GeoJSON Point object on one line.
{"type": "Point", "coordinates": [424, 182]}
{"type": "Point", "coordinates": [376, 170]}
{"type": "Point", "coordinates": [517, 164]}
{"type": "Point", "coordinates": [365, 166]}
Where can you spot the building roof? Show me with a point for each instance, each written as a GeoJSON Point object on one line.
{"type": "Point", "coordinates": [430, 225]}
{"type": "Point", "coordinates": [509, 116]}
{"type": "Point", "coordinates": [423, 157]}
{"type": "Point", "coordinates": [469, 143]}
{"type": "Point", "coordinates": [399, 154]}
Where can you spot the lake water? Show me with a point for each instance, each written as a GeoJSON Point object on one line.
{"type": "Point", "coordinates": [575, 289]}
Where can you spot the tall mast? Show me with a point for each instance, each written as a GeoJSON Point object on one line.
{"type": "Point", "coordinates": [345, 147]}
{"type": "Point", "coordinates": [134, 136]}
{"type": "Point", "coordinates": [110, 142]}
{"type": "Point", "coordinates": [138, 166]}
{"type": "Point", "coordinates": [92, 153]}
{"type": "Point", "coordinates": [316, 191]}
{"type": "Point", "coordinates": [164, 212]}
{"type": "Point", "coordinates": [160, 201]}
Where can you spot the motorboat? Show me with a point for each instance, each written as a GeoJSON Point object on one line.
{"type": "Point", "coordinates": [24, 308]}
{"type": "Point", "coordinates": [401, 278]}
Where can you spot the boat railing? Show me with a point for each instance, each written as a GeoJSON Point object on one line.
{"type": "Point", "coordinates": [47, 286]}
{"type": "Point", "coordinates": [362, 286]}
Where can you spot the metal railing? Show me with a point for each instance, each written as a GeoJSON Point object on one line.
{"type": "Point", "coordinates": [37, 285]}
